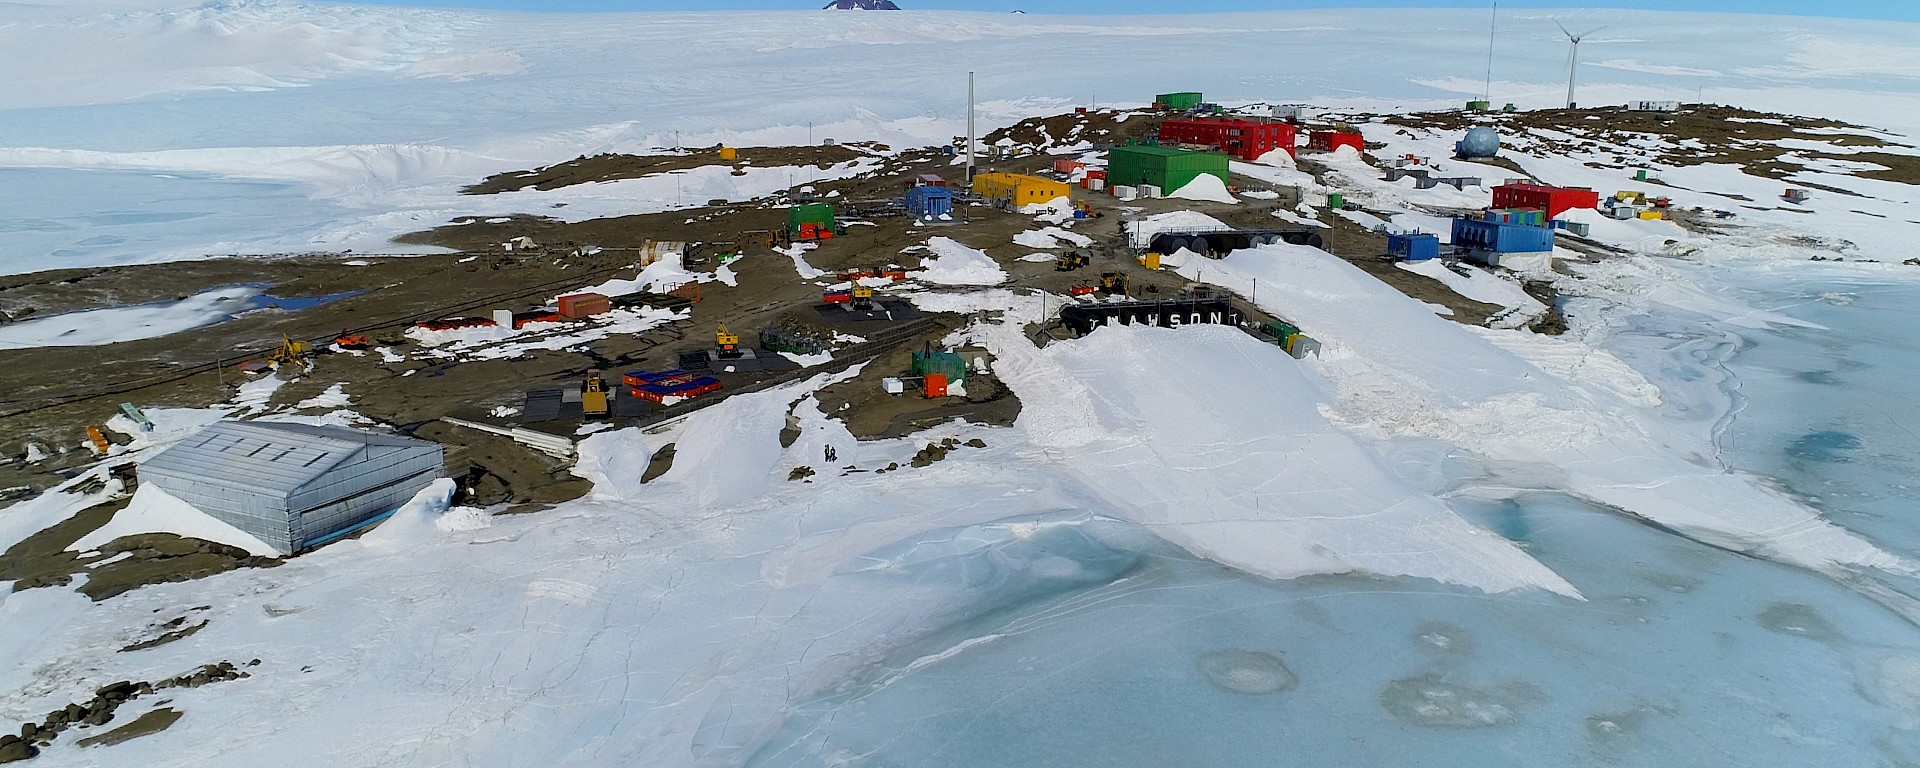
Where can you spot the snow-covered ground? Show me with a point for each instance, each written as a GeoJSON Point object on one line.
{"type": "Point", "coordinates": [99, 327]}
{"type": "Point", "coordinates": [296, 126]}
{"type": "Point", "coordinates": [1476, 545]}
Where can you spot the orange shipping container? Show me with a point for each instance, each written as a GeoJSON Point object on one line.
{"type": "Point", "coordinates": [578, 305]}
{"type": "Point", "coordinates": [935, 384]}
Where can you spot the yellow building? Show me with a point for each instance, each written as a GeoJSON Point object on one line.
{"type": "Point", "coordinates": [1018, 189]}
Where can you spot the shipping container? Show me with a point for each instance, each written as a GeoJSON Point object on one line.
{"type": "Point", "coordinates": [1414, 246]}
{"type": "Point", "coordinates": [934, 384]}
{"type": "Point", "coordinates": [1179, 101]}
{"type": "Point", "coordinates": [1248, 140]}
{"type": "Point", "coordinates": [729, 153]}
{"type": "Point", "coordinates": [1554, 200]}
{"type": "Point", "coordinates": [1501, 237]}
{"type": "Point", "coordinates": [1163, 167]}
{"type": "Point", "coordinates": [1063, 165]}
{"type": "Point", "coordinates": [578, 305]}
{"type": "Point", "coordinates": [931, 180]}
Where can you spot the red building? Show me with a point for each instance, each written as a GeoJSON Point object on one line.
{"type": "Point", "coordinates": [1244, 139]}
{"type": "Point", "coordinates": [1553, 200]}
{"type": "Point", "coordinates": [1328, 141]}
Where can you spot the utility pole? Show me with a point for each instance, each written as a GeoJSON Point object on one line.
{"type": "Point", "coordinates": [970, 141]}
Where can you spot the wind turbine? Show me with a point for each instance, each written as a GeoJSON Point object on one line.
{"type": "Point", "coordinates": [1573, 58]}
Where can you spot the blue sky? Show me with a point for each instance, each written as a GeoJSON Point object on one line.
{"type": "Point", "coordinates": [1899, 10]}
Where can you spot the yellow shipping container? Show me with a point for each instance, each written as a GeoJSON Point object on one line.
{"type": "Point", "coordinates": [729, 153]}
{"type": "Point", "coordinates": [1653, 215]}
{"type": "Point", "coordinates": [1150, 261]}
{"type": "Point", "coordinates": [1018, 189]}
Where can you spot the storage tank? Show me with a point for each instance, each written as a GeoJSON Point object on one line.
{"type": "Point", "coordinates": [1480, 142]}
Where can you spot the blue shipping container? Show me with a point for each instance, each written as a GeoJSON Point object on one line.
{"type": "Point", "coordinates": [1414, 246]}
{"type": "Point", "coordinates": [929, 202]}
{"type": "Point", "coordinates": [1501, 238]}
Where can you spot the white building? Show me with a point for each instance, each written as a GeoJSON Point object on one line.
{"type": "Point", "coordinates": [1293, 112]}
{"type": "Point", "coordinates": [1653, 106]}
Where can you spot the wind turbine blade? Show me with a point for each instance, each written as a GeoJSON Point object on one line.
{"type": "Point", "coordinates": [1595, 29]}
{"type": "Point", "coordinates": [1563, 29]}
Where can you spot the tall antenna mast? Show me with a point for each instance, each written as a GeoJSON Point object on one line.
{"type": "Point", "coordinates": [970, 141]}
{"type": "Point", "coordinates": [1573, 60]}
{"type": "Point", "coordinates": [1493, 26]}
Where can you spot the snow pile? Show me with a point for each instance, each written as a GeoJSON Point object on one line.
{"type": "Point", "coordinates": [428, 515]}
{"type": "Point", "coordinates": [1205, 187]}
{"type": "Point", "coordinates": [1278, 158]}
{"type": "Point", "coordinates": [1051, 237]}
{"type": "Point", "coordinates": [155, 511]}
{"type": "Point", "coordinates": [1479, 285]}
{"type": "Point", "coordinates": [1453, 384]}
{"type": "Point", "coordinates": [492, 342]}
{"type": "Point", "coordinates": [1239, 466]}
{"type": "Point", "coordinates": [335, 397]}
{"type": "Point", "coordinates": [254, 396]}
{"type": "Point", "coordinates": [99, 327]}
{"type": "Point", "coordinates": [663, 275]}
{"type": "Point", "coordinates": [956, 264]}
{"type": "Point", "coordinates": [798, 252]}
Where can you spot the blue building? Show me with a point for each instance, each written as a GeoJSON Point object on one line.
{"type": "Point", "coordinates": [1498, 238]}
{"type": "Point", "coordinates": [929, 202]}
{"type": "Point", "coordinates": [1414, 246]}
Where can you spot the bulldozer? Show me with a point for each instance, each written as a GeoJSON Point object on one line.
{"type": "Point", "coordinates": [1115, 283]}
{"type": "Point", "coordinates": [593, 397]}
{"type": "Point", "coordinates": [290, 353]}
{"type": "Point", "coordinates": [1070, 261]}
{"type": "Point", "coordinates": [862, 298]}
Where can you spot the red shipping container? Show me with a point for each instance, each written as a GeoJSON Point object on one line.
{"type": "Point", "coordinates": [578, 305]}
{"type": "Point", "coordinates": [935, 384]}
{"type": "Point", "coordinates": [1553, 200]}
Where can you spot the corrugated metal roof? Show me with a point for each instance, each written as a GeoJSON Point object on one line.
{"type": "Point", "coordinates": [267, 456]}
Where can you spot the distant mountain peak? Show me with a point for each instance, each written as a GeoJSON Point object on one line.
{"type": "Point", "coordinates": [862, 5]}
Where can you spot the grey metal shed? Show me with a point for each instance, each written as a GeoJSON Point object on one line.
{"type": "Point", "coordinates": [294, 486]}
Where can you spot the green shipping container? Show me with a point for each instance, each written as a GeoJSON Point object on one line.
{"type": "Point", "coordinates": [1336, 200]}
{"type": "Point", "coordinates": [812, 213]}
{"type": "Point", "coordinates": [1163, 167]}
{"type": "Point", "coordinates": [1179, 101]}
{"type": "Point", "coordinates": [1279, 330]}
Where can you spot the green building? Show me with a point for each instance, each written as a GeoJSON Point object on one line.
{"type": "Point", "coordinates": [814, 213]}
{"type": "Point", "coordinates": [1163, 167]}
{"type": "Point", "coordinates": [1179, 101]}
